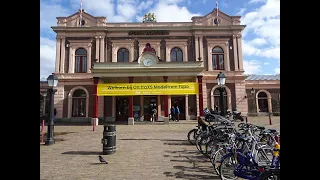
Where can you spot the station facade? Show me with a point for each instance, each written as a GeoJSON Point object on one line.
{"type": "Point", "coordinates": [117, 71]}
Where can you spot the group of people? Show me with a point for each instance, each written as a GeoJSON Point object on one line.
{"type": "Point", "coordinates": [174, 113]}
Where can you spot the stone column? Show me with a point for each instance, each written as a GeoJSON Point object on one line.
{"type": "Point", "coordinates": [58, 43]}
{"type": "Point", "coordinates": [185, 53]}
{"type": "Point", "coordinates": [235, 53]}
{"type": "Point", "coordinates": [97, 48]}
{"type": "Point", "coordinates": [196, 43]}
{"type": "Point", "coordinates": [141, 108]}
{"type": "Point", "coordinates": [131, 58]}
{"type": "Point", "coordinates": [201, 47]}
{"type": "Point", "coordinates": [95, 101]}
{"type": "Point", "coordinates": [200, 98]}
{"type": "Point", "coordinates": [102, 49]}
{"type": "Point", "coordinates": [89, 59]}
{"type": "Point", "coordinates": [158, 106]}
{"type": "Point", "coordinates": [168, 57]}
{"type": "Point", "coordinates": [227, 65]}
{"type": "Point", "coordinates": [159, 50]}
{"type": "Point", "coordinates": [187, 107]}
{"type": "Point", "coordinates": [209, 63]}
{"type": "Point", "coordinates": [114, 108]}
{"type": "Point", "coordinates": [130, 118]}
{"type": "Point", "coordinates": [166, 103]}
{"type": "Point", "coordinates": [71, 60]}
{"type": "Point", "coordinates": [63, 54]}
{"type": "Point", "coordinates": [239, 37]}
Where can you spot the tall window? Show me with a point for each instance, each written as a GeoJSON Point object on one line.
{"type": "Point", "coordinates": [79, 99]}
{"type": "Point", "coordinates": [263, 102]}
{"type": "Point", "coordinates": [216, 95]}
{"type": "Point", "coordinates": [81, 60]}
{"type": "Point", "coordinates": [176, 55]}
{"type": "Point", "coordinates": [217, 59]}
{"type": "Point", "coordinates": [123, 55]}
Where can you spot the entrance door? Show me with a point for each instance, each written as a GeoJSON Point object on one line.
{"type": "Point", "coordinates": [122, 108]}
{"type": "Point", "coordinates": [180, 102]}
{"type": "Point", "coordinates": [149, 103]}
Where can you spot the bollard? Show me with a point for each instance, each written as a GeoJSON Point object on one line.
{"type": "Point", "coordinates": [42, 131]}
{"type": "Point", "coordinates": [270, 122]}
{"type": "Point", "coordinates": [109, 139]}
{"type": "Point", "coordinates": [94, 125]}
{"type": "Point", "coordinates": [246, 119]}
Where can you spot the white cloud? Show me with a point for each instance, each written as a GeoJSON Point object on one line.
{"type": "Point", "coordinates": [266, 63]}
{"type": "Point", "coordinates": [170, 12]}
{"type": "Point", "coordinates": [252, 66]}
{"type": "Point", "coordinates": [255, 1]}
{"type": "Point", "coordinates": [145, 5]}
{"type": "Point", "coordinates": [241, 11]}
{"type": "Point", "coordinates": [47, 56]}
{"type": "Point", "coordinates": [258, 42]}
{"type": "Point", "coordinates": [271, 53]}
{"type": "Point", "coordinates": [264, 24]}
{"type": "Point", "coordinates": [249, 49]}
{"type": "Point", "coordinates": [277, 70]}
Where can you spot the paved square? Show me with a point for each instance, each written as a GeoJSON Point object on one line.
{"type": "Point", "coordinates": [143, 152]}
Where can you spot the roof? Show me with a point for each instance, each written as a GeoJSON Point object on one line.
{"type": "Point", "coordinates": [255, 77]}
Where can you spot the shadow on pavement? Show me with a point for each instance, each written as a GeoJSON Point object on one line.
{"type": "Point", "coordinates": [82, 153]}
{"type": "Point", "coordinates": [199, 166]}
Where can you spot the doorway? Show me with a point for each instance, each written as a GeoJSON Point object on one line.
{"type": "Point", "coordinates": [149, 103]}
{"type": "Point", "coordinates": [122, 108]}
{"type": "Point", "coordinates": [179, 101]}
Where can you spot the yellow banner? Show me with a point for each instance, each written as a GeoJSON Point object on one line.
{"type": "Point", "coordinates": [135, 89]}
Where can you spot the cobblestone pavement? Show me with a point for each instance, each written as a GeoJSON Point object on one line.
{"type": "Point", "coordinates": [144, 152]}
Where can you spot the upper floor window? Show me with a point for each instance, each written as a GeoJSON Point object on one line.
{"type": "Point", "coordinates": [176, 54]}
{"type": "Point", "coordinates": [123, 55]}
{"type": "Point", "coordinates": [81, 60]}
{"type": "Point", "coordinates": [217, 58]}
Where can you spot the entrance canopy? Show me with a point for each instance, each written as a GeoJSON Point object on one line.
{"type": "Point", "coordinates": [147, 65]}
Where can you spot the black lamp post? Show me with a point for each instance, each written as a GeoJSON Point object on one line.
{"type": "Point", "coordinates": [221, 80]}
{"type": "Point", "coordinates": [52, 82]}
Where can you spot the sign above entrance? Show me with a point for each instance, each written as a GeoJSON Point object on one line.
{"type": "Point", "coordinates": [148, 33]}
{"type": "Point", "coordinates": [135, 89]}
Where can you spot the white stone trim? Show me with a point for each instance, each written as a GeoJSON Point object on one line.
{"type": "Point", "coordinates": [268, 98]}
{"type": "Point", "coordinates": [70, 100]}
{"type": "Point", "coordinates": [228, 96]}
{"type": "Point", "coordinates": [222, 43]}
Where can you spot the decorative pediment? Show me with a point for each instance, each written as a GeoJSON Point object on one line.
{"type": "Point", "coordinates": [87, 20]}
{"type": "Point", "coordinates": [211, 19]}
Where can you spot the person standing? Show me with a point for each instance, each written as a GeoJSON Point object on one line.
{"type": "Point", "coordinates": [154, 114]}
{"type": "Point", "coordinates": [173, 114]}
{"type": "Point", "coordinates": [177, 112]}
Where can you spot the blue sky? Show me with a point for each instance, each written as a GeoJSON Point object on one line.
{"type": "Point", "coordinates": [261, 38]}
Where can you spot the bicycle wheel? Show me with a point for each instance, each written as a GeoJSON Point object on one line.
{"type": "Point", "coordinates": [191, 136]}
{"type": "Point", "coordinates": [216, 158]}
{"type": "Point", "coordinates": [203, 144]}
{"type": "Point", "coordinates": [270, 175]}
{"type": "Point", "coordinates": [227, 167]}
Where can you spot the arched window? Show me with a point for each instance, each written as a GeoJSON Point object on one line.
{"type": "Point", "coordinates": [176, 55]}
{"type": "Point", "coordinates": [216, 96]}
{"type": "Point", "coordinates": [263, 102]}
{"type": "Point", "coordinates": [79, 98]}
{"type": "Point", "coordinates": [123, 55]}
{"type": "Point", "coordinates": [81, 61]}
{"type": "Point", "coordinates": [217, 58]}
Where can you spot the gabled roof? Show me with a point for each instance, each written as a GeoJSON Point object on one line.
{"type": "Point", "coordinates": [255, 77]}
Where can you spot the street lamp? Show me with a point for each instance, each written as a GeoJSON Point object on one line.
{"type": "Point", "coordinates": [44, 94]}
{"type": "Point", "coordinates": [221, 80]}
{"type": "Point", "coordinates": [52, 82]}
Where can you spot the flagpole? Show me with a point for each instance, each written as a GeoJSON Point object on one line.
{"type": "Point", "coordinates": [80, 22]}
